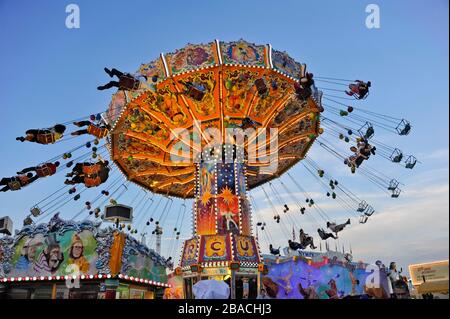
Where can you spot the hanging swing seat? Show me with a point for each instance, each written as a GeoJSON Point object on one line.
{"type": "Point", "coordinates": [14, 185]}
{"type": "Point", "coordinates": [403, 128]}
{"type": "Point", "coordinates": [396, 156]}
{"type": "Point", "coordinates": [195, 93]}
{"type": "Point", "coordinates": [393, 185]}
{"type": "Point", "coordinates": [46, 138]}
{"type": "Point", "coordinates": [362, 206]}
{"type": "Point", "coordinates": [410, 162]}
{"type": "Point", "coordinates": [369, 211]}
{"type": "Point", "coordinates": [367, 130]}
{"type": "Point", "coordinates": [363, 219]}
{"type": "Point", "coordinates": [396, 193]}
{"type": "Point", "coordinates": [128, 83]}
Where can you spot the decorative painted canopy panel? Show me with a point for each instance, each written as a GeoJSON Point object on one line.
{"type": "Point", "coordinates": [158, 128]}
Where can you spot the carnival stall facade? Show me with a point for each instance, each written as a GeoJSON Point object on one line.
{"type": "Point", "coordinates": [66, 250]}
{"type": "Point", "coordinates": [324, 278]}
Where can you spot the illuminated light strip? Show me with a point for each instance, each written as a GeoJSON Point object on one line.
{"type": "Point", "coordinates": [270, 56]}
{"type": "Point", "coordinates": [172, 181]}
{"type": "Point", "coordinates": [236, 191]}
{"type": "Point", "coordinates": [49, 278]}
{"type": "Point", "coordinates": [219, 54]}
{"type": "Point", "coordinates": [166, 68]}
{"type": "Point", "coordinates": [216, 218]}
{"type": "Point", "coordinates": [176, 173]}
{"type": "Point", "coordinates": [143, 280]}
{"type": "Point", "coordinates": [197, 194]}
{"type": "Point", "coordinates": [232, 245]}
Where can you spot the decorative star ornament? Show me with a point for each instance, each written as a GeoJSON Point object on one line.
{"type": "Point", "coordinates": [227, 195]}
{"type": "Point", "coordinates": [206, 197]}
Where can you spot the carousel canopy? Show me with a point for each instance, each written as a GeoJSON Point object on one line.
{"type": "Point", "coordinates": [219, 85]}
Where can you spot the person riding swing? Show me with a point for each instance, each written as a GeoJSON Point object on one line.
{"type": "Point", "coordinates": [303, 89]}
{"type": "Point", "coordinates": [43, 170]}
{"type": "Point", "coordinates": [294, 245]}
{"type": "Point", "coordinates": [324, 235]}
{"type": "Point", "coordinates": [44, 136]}
{"type": "Point", "coordinates": [16, 183]}
{"type": "Point", "coordinates": [127, 81]}
{"type": "Point", "coordinates": [274, 251]}
{"type": "Point", "coordinates": [359, 89]}
{"type": "Point", "coordinates": [97, 130]}
{"type": "Point", "coordinates": [91, 175]}
{"type": "Point", "coordinates": [306, 240]}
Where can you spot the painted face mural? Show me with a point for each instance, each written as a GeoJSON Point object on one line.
{"type": "Point", "coordinates": [39, 253]}
{"type": "Point", "coordinates": [76, 256]}
{"type": "Point", "coordinates": [62, 248]}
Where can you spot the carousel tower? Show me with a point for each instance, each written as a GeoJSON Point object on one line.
{"type": "Point", "coordinates": [222, 232]}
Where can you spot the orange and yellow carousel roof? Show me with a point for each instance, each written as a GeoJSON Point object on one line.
{"type": "Point", "coordinates": [145, 121]}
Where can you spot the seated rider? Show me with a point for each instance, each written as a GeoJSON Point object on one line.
{"type": "Point", "coordinates": [336, 228]}
{"type": "Point", "coordinates": [97, 130]}
{"type": "Point", "coordinates": [247, 122]}
{"type": "Point", "coordinates": [17, 182]}
{"type": "Point", "coordinates": [406, 129]}
{"type": "Point", "coordinates": [324, 235]}
{"type": "Point", "coordinates": [294, 245]}
{"type": "Point", "coordinates": [303, 89]}
{"type": "Point", "coordinates": [90, 174]}
{"type": "Point", "coordinates": [194, 90]}
{"type": "Point", "coordinates": [306, 240]}
{"type": "Point", "coordinates": [363, 150]}
{"type": "Point", "coordinates": [42, 170]}
{"type": "Point", "coordinates": [44, 136]}
{"type": "Point", "coordinates": [359, 89]}
{"type": "Point", "coordinates": [274, 251]}
{"type": "Point", "coordinates": [127, 81]}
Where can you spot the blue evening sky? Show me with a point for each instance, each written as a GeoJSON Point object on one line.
{"type": "Point", "coordinates": [49, 74]}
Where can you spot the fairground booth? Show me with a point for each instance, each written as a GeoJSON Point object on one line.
{"type": "Point", "coordinates": [309, 275]}
{"type": "Point", "coordinates": [66, 259]}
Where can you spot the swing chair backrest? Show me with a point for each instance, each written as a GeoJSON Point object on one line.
{"type": "Point", "coordinates": [128, 82]}
{"type": "Point", "coordinates": [393, 184]}
{"type": "Point", "coordinates": [363, 219]}
{"type": "Point", "coordinates": [396, 193]}
{"type": "Point", "coordinates": [369, 211]}
{"type": "Point", "coordinates": [92, 181]}
{"type": "Point", "coordinates": [91, 169]}
{"type": "Point", "coordinates": [396, 156]}
{"type": "Point", "coordinates": [46, 138]}
{"type": "Point", "coordinates": [403, 128]}
{"type": "Point", "coordinates": [43, 171]}
{"type": "Point", "coordinates": [99, 132]}
{"type": "Point", "coordinates": [410, 162]}
{"type": "Point", "coordinates": [14, 185]}
{"type": "Point", "coordinates": [362, 206]}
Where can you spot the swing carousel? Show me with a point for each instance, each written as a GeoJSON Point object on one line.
{"type": "Point", "coordinates": [220, 124]}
